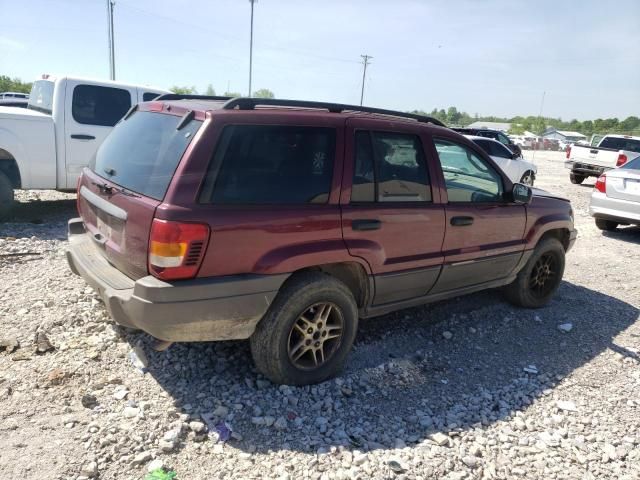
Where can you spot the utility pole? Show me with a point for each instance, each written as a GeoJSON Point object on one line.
{"type": "Point", "coordinates": [365, 62]}
{"type": "Point", "coordinates": [251, 48]}
{"type": "Point", "coordinates": [112, 53]}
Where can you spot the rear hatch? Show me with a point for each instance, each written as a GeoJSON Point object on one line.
{"type": "Point", "coordinates": [129, 177]}
{"type": "Point", "coordinates": [624, 184]}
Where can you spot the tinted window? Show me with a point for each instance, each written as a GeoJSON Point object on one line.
{"type": "Point", "coordinates": [142, 152]}
{"type": "Point", "coordinates": [400, 173]}
{"type": "Point", "coordinates": [633, 164]}
{"type": "Point", "coordinates": [503, 139]}
{"type": "Point", "coordinates": [41, 96]}
{"type": "Point", "coordinates": [93, 105]}
{"type": "Point", "coordinates": [148, 96]}
{"type": "Point", "coordinates": [271, 165]}
{"type": "Point", "coordinates": [493, 148]}
{"type": "Point", "coordinates": [363, 186]}
{"type": "Point", "coordinates": [616, 143]}
{"type": "Point", "coordinates": [467, 176]}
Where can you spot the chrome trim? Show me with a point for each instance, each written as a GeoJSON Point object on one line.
{"type": "Point", "coordinates": [102, 204]}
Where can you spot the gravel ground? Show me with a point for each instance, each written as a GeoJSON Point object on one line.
{"type": "Point", "coordinates": [471, 388]}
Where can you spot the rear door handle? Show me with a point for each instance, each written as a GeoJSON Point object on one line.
{"type": "Point", "coordinates": [461, 221]}
{"type": "Point", "coordinates": [82, 136]}
{"type": "Point", "coordinates": [366, 224]}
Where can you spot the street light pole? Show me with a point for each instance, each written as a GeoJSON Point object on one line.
{"type": "Point", "coordinates": [112, 53]}
{"type": "Point", "coordinates": [251, 48]}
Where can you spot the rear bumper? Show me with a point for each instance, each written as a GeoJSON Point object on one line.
{"type": "Point", "coordinates": [586, 169]}
{"type": "Point", "coordinates": [219, 308]}
{"type": "Point", "coordinates": [614, 209]}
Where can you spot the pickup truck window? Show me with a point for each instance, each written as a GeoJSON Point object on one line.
{"type": "Point", "coordinates": [493, 148]}
{"type": "Point", "coordinates": [400, 173]}
{"type": "Point", "coordinates": [41, 96]}
{"type": "Point", "coordinates": [148, 96]}
{"type": "Point", "coordinates": [467, 176]}
{"type": "Point", "coordinates": [617, 143]}
{"type": "Point", "coordinates": [94, 105]}
{"type": "Point", "coordinates": [142, 152]}
{"type": "Point", "coordinates": [272, 164]}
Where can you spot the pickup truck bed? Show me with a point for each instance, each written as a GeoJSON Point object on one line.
{"type": "Point", "coordinates": [613, 151]}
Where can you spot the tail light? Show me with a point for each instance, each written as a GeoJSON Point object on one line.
{"type": "Point", "coordinates": [622, 159]}
{"type": "Point", "coordinates": [568, 151]}
{"type": "Point", "coordinates": [176, 249]}
{"type": "Point", "coordinates": [601, 184]}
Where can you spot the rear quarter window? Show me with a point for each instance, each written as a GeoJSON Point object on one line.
{"type": "Point", "coordinates": [269, 164]}
{"type": "Point", "coordinates": [142, 153]}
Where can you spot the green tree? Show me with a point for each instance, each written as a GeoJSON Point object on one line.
{"type": "Point", "coordinates": [263, 93]}
{"type": "Point", "coordinates": [184, 90]}
{"type": "Point", "coordinates": [210, 90]}
{"type": "Point", "coordinates": [232, 94]}
{"type": "Point", "coordinates": [453, 116]}
{"type": "Point", "coordinates": [8, 84]}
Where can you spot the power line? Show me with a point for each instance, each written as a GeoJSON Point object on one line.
{"type": "Point", "coordinates": [365, 62]}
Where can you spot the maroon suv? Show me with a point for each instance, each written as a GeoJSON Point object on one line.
{"type": "Point", "coordinates": [284, 222]}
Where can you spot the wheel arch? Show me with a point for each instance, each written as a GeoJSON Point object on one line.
{"type": "Point", "coordinates": [9, 166]}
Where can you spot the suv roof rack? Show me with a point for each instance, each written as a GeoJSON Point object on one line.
{"type": "Point", "coordinates": [179, 96]}
{"type": "Point", "coordinates": [245, 103]}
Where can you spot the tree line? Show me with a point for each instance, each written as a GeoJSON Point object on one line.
{"type": "Point", "coordinates": [262, 93]}
{"type": "Point", "coordinates": [8, 84]}
{"type": "Point", "coordinates": [537, 125]}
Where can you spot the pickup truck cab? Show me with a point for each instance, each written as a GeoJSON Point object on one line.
{"type": "Point", "coordinates": [589, 161]}
{"type": "Point", "coordinates": [46, 145]}
{"type": "Point", "coordinates": [284, 222]}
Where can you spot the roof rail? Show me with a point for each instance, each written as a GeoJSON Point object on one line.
{"type": "Point", "coordinates": [244, 103]}
{"type": "Point", "coordinates": [179, 96]}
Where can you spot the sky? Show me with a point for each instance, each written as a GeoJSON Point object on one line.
{"type": "Point", "coordinates": [491, 57]}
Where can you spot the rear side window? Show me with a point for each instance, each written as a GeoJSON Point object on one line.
{"type": "Point", "coordinates": [148, 96]}
{"type": "Point", "coordinates": [493, 148]}
{"type": "Point", "coordinates": [269, 164]}
{"type": "Point", "coordinates": [93, 105]}
{"type": "Point", "coordinates": [41, 96]}
{"type": "Point", "coordinates": [142, 153]}
{"type": "Point", "coordinates": [389, 167]}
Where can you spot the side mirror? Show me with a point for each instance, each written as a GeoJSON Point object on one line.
{"type": "Point", "coordinates": [521, 193]}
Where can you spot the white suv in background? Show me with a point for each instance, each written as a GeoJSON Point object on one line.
{"type": "Point", "coordinates": [514, 165]}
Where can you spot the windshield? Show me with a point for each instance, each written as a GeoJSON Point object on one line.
{"type": "Point", "coordinates": [617, 143]}
{"type": "Point", "coordinates": [143, 151]}
{"type": "Point", "coordinates": [41, 96]}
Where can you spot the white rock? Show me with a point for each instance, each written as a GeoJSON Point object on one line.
{"type": "Point", "coordinates": [440, 438]}
{"type": "Point", "coordinates": [154, 465]}
{"type": "Point", "coordinates": [531, 369]}
{"type": "Point", "coordinates": [130, 412]}
{"type": "Point", "coordinates": [120, 394]}
{"type": "Point", "coordinates": [565, 327]}
{"type": "Point", "coordinates": [566, 405]}
{"type": "Point", "coordinates": [447, 335]}
{"type": "Point", "coordinates": [142, 457]}
{"type": "Point", "coordinates": [197, 427]}
{"type": "Point", "coordinates": [89, 469]}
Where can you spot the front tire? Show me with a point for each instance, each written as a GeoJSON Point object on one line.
{"type": "Point", "coordinates": [308, 331]}
{"type": "Point", "coordinates": [6, 196]}
{"type": "Point", "coordinates": [528, 178]}
{"type": "Point", "coordinates": [576, 179]}
{"type": "Point", "coordinates": [606, 225]}
{"type": "Point", "coordinates": [538, 281]}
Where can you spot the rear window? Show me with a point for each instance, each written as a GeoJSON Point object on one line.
{"type": "Point", "coordinates": [269, 164]}
{"type": "Point", "coordinates": [142, 153]}
{"type": "Point", "coordinates": [41, 96]}
{"type": "Point", "coordinates": [617, 143]}
{"type": "Point", "coordinates": [633, 164]}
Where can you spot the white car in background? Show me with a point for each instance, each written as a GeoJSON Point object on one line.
{"type": "Point", "coordinates": [515, 166]}
{"type": "Point", "coordinates": [615, 200]}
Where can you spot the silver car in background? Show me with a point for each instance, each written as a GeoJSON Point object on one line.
{"type": "Point", "coordinates": [616, 197]}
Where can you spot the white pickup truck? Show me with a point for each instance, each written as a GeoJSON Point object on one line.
{"type": "Point", "coordinates": [589, 161]}
{"type": "Point", "coordinates": [46, 145]}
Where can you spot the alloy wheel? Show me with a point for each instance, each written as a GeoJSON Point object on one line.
{"type": "Point", "coordinates": [315, 336]}
{"type": "Point", "coordinates": [543, 275]}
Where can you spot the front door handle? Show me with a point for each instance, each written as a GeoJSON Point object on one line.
{"type": "Point", "coordinates": [461, 221]}
{"type": "Point", "coordinates": [365, 224]}
{"type": "Point", "coordinates": [82, 136]}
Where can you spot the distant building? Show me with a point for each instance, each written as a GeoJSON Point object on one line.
{"type": "Point", "coordinates": [503, 127]}
{"type": "Point", "coordinates": [565, 135]}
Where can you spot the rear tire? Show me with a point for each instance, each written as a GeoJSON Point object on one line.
{"type": "Point", "coordinates": [308, 331]}
{"type": "Point", "coordinates": [6, 196]}
{"type": "Point", "coordinates": [576, 179]}
{"type": "Point", "coordinates": [606, 225]}
{"type": "Point", "coordinates": [538, 281]}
